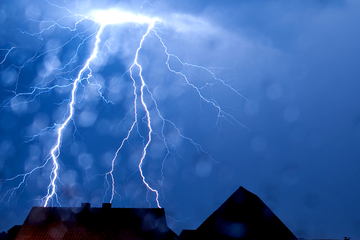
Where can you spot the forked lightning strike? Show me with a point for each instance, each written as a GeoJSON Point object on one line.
{"type": "Point", "coordinates": [55, 151]}
{"type": "Point", "coordinates": [102, 19]}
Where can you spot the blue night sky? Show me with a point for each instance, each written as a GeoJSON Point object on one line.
{"type": "Point", "coordinates": [259, 94]}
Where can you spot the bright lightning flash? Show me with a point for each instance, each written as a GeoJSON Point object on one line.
{"type": "Point", "coordinates": [115, 16]}
{"type": "Point", "coordinates": [101, 20]}
{"type": "Point", "coordinates": [55, 151]}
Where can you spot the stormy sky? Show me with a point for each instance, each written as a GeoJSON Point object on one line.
{"type": "Point", "coordinates": [259, 94]}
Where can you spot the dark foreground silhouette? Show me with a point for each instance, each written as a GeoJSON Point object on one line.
{"type": "Point", "coordinates": [242, 216]}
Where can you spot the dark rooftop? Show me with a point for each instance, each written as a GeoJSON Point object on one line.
{"type": "Point", "coordinates": [95, 223]}
{"type": "Point", "coordinates": [242, 216]}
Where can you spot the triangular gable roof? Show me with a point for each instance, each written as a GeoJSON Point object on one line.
{"type": "Point", "coordinates": [242, 216]}
{"type": "Point", "coordinates": [95, 223]}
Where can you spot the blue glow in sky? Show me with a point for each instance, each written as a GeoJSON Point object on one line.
{"type": "Point", "coordinates": [176, 104]}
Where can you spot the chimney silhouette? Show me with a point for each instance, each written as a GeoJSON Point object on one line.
{"type": "Point", "coordinates": [106, 205]}
{"type": "Point", "coordinates": [85, 206]}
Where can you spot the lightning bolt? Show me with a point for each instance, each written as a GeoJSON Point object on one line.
{"type": "Point", "coordinates": [55, 151]}
{"type": "Point", "coordinates": [102, 19]}
{"type": "Point", "coordinates": [115, 19]}
{"type": "Point", "coordinates": [7, 53]}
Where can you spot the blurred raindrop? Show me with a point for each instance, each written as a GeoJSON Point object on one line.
{"type": "Point", "coordinates": [3, 16]}
{"type": "Point", "coordinates": [69, 178]}
{"type": "Point", "coordinates": [74, 149]}
{"type": "Point", "coordinates": [19, 105]}
{"type": "Point", "coordinates": [41, 121]}
{"type": "Point", "coordinates": [8, 78]}
{"type": "Point", "coordinates": [291, 114]}
{"type": "Point", "coordinates": [85, 160]}
{"type": "Point", "coordinates": [87, 118]}
{"type": "Point", "coordinates": [33, 11]}
{"type": "Point", "coordinates": [7, 149]}
{"type": "Point", "coordinates": [274, 92]}
{"type": "Point", "coordinates": [203, 168]}
{"type": "Point", "coordinates": [234, 230]}
{"type": "Point", "coordinates": [290, 175]}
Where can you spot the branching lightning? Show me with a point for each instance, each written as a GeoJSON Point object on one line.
{"type": "Point", "coordinates": [101, 20]}
{"type": "Point", "coordinates": [55, 151]}
{"type": "Point", "coordinates": [7, 53]}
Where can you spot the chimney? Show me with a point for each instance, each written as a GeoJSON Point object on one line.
{"type": "Point", "coordinates": [106, 205]}
{"type": "Point", "coordinates": [85, 206]}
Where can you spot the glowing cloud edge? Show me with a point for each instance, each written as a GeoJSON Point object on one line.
{"type": "Point", "coordinates": [117, 16]}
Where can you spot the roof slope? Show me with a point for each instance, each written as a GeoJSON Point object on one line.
{"type": "Point", "coordinates": [242, 216]}
{"type": "Point", "coordinates": [95, 223]}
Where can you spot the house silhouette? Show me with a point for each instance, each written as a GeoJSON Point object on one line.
{"type": "Point", "coordinates": [242, 216]}
{"type": "Point", "coordinates": [49, 223]}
